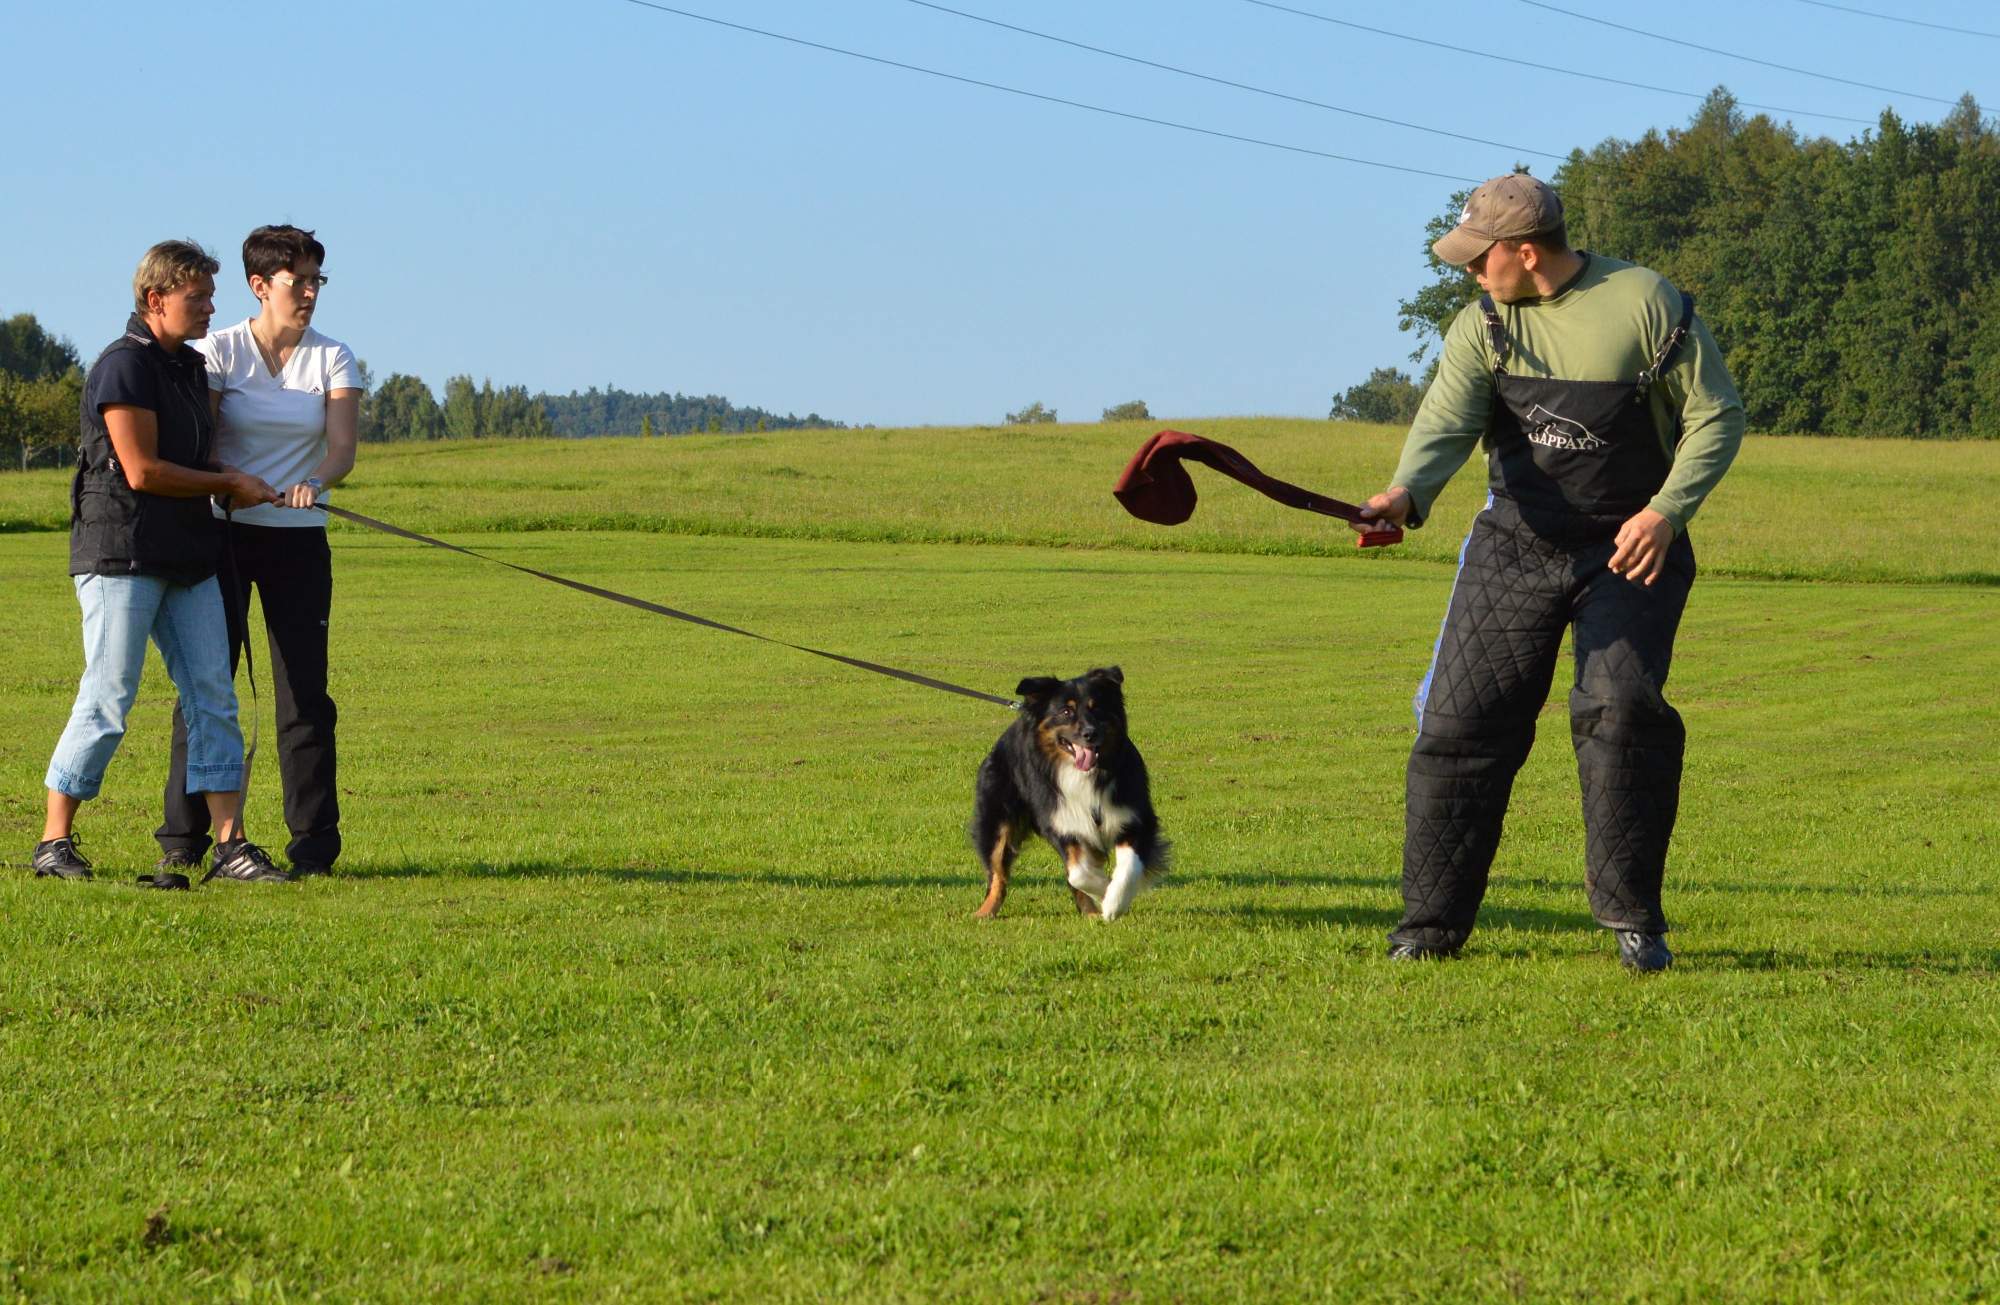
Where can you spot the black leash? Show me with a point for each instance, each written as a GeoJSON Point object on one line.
{"type": "Point", "coordinates": [644, 606]}
{"type": "Point", "coordinates": [229, 600]}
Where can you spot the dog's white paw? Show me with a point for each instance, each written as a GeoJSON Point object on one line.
{"type": "Point", "coordinates": [1088, 879]}
{"type": "Point", "coordinates": [1128, 880]}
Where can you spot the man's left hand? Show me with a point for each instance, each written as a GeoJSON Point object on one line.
{"type": "Point", "coordinates": [1642, 547]}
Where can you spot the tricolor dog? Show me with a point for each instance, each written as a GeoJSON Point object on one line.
{"type": "Point", "coordinates": [1066, 770]}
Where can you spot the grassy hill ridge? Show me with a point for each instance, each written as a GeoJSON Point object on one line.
{"type": "Point", "coordinates": [1798, 509]}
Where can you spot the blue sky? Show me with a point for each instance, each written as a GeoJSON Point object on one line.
{"type": "Point", "coordinates": [592, 192]}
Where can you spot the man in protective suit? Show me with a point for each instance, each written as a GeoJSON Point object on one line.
{"type": "Point", "coordinates": [1607, 416]}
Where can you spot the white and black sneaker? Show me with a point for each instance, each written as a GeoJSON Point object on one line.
{"type": "Point", "coordinates": [58, 858]}
{"type": "Point", "coordinates": [245, 862]}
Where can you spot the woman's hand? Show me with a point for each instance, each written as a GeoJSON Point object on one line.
{"type": "Point", "coordinates": [305, 494]}
{"type": "Point", "coordinates": [246, 490]}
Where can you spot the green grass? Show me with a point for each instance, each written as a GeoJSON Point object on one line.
{"type": "Point", "coordinates": [653, 975]}
{"type": "Point", "coordinates": [1850, 509]}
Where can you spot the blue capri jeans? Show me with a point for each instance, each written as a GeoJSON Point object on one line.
{"type": "Point", "coordinates": [119, 613]}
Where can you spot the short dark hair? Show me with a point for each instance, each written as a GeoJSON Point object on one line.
{"type": "Point", "coordinates": [269, 250]}
{"type": "Point", "coordinates": [1556, 241]}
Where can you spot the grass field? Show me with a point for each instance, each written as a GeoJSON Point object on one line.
{"type": "Point", "coordinates": [651, 974]}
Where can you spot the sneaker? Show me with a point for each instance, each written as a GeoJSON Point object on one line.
{"type": "Point", "coordinates": [245, 862]}
{"type": "Point", "coordinates": [307, 869]}
{"type": "Point", "coordinates": [58, 858]}
{"type": "Point", "coordinates": [179, 858]}
{"type": "Point", "coordinates": [1644, 952]}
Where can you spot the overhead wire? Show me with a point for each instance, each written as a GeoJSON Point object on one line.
{"type": "Point", "coordinates": [1899, 18]}
{"type": "Point", "coordinates": [1224, 81]}
{"type": "Point", "coordinates": [1049, 99]}
{"type": "Point", "coordinates": [1543, 67]}
{"type": "Point", "coordinates": [1731, 54]}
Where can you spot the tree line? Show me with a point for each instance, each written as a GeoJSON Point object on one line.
{"type": "Point", "coordinates": [403, 408]}
{"type": "Point", "coordinates": [1854, 288]}
{"type": "Point", "coordinates": [41, 392]}
{"type": "Point", "coordinates": [41, 395]}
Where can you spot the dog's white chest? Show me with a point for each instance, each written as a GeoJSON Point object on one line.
{"type": "Point", "coordinates": [1087, 812]}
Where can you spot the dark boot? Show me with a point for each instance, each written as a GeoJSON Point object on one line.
{"type": "Point", "coordinates": [1645, 952]}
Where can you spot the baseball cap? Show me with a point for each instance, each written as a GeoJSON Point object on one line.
{"type": "Point", "coordinates": [1512, 207]}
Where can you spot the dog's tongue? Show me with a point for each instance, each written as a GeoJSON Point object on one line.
{"type": "Point", "coordinates": [1085, 757]}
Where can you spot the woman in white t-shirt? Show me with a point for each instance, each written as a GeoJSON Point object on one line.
{"type": "Point", "coordinates": [287, 402]}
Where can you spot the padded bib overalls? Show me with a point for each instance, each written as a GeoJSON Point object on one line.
{"type": "Point", "coordinates": [1568, 463]}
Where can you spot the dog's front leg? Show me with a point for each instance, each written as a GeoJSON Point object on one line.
{"type": "Point", "coordinates": [1086, 877]}
{"type": "Point", "coordinates": [1128, 879]}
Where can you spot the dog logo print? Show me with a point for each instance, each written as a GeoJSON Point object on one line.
{"type": "Point", "coordinates": [1552, 432]}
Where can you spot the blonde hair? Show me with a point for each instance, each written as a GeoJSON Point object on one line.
{"type": "Point", "coordinates": [168, 266]}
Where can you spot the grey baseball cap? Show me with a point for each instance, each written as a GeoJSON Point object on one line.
{"type": "Point", "coordinates": [1513, 207]}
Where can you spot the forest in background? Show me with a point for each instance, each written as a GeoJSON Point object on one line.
{"type": "Point", "coordinates": [1854, 288]}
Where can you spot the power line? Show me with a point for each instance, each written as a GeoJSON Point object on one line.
{"type": "Point", "coordinates": [1546, 68]}
{"type": "Point", "coordinates": [1049, 99]}
{"type": "Point", "coordinates": [1224, 81]}
{"type": "Point", "coordinates": [1730, 54]}
{"type": "Point", "coordinates": [1898, 18]}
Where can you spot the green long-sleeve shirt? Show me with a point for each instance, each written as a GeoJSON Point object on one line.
{"type": "Point", "coordinates": [1607, 324]}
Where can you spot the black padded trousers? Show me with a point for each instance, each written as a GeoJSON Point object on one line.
{"type": "Point", "coordinates": [292, 569]}
{"type": "Point", "coordinates": [1518, 588]}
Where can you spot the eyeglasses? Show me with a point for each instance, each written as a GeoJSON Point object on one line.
{"type": "Point", "coordinates": [287, 279]}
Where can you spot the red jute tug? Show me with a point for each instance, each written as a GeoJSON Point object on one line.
{"type": "Point", "coordinates": [1157, 488]}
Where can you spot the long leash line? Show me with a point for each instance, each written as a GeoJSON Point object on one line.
{"type": "Point", "coordinates": [659, 610]}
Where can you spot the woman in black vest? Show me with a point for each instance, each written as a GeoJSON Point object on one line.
{"type": "Point", "coordinates": [143, 553]}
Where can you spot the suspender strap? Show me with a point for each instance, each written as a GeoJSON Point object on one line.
{"type": "Point", "coordinates": [1496, 331]}
{"type": "Point", "coordinates": [1665, 358]}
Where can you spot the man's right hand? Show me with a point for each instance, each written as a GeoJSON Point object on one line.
{"type": "Point", "coordinates": [1392, 505]}
{"type": "Point", "coordinates": [246, 490]}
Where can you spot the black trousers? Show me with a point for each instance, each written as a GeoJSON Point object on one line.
{"type": "Point", "coordinates": [1519, 587]}
{"type": "Point", "coordinates": [292, 570]}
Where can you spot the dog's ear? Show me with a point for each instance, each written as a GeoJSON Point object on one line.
{"type": "Point", "coordinates": [1111, 673]}
{"type": "Point", "coordinates": [1036, 690]}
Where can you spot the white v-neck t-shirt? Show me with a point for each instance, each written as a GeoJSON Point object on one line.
{"type": "Point", "coordinates": [274, 427]}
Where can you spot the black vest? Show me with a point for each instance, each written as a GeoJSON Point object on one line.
{"type": "Point", "coordinates": [113, 528]}
{"type": "Point", "coordinates": [1576, 449]}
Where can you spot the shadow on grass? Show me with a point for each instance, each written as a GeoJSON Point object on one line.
{"type": "Point", "coordinates": [663, 875]}
{"type": "Point", "coordinates": [1544, 884]}
{"type": "Point", "coordinates": [1296, 879]}
{"type": "Point", "coordinates": [1981, 961]}
{"type": "Point", "coordinates": [1674, 885]}
{"type": "Point", "coordinates": [1385, 917]}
